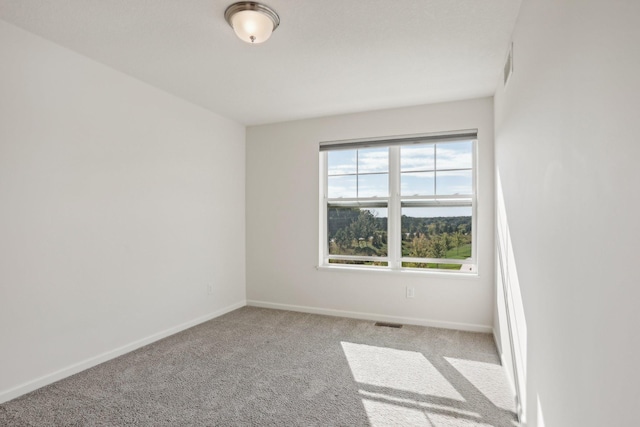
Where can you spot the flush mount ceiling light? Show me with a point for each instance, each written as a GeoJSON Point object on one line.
{"type": "Point", "coordinates": [252, 22]}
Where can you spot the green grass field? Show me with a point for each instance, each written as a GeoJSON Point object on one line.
{"type": "Point", "coordinates": [432, 265]}
{"type": "Point", "coordinates": [462, 252]}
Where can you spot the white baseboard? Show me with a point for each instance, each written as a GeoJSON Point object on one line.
{"type": "Point", "coordinates": [509, 374]}
{"type": "Point", "coordinates": [373, 316]}
{"type": "Point", "coordinates": [503, 362]}
{"type": "Point", "coordinates": [44, 380]}
{"type": "Point", "coordinates": [496, 341]}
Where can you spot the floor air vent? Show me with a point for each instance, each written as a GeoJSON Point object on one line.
{"type": "Point", "coordinates": [389, 325]}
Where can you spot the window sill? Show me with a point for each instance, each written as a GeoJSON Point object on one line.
{"type": "Point", "coordinates": [403, 272]}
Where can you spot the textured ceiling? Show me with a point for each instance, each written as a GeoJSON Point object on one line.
{"type": "Point", "coordinates": [327, 57]}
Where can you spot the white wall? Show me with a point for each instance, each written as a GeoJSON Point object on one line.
{"type": "Point", "coordinates": [567, 150]}
{"type": "Point", "coordinates": [282, 222]}
{"type": "Point", "coordinates": [119, 205]}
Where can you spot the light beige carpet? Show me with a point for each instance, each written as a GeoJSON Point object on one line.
{"type": "Point", "coordinates": [261, 367]}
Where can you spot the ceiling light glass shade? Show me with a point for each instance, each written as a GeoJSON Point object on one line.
{"type": "Point", "coordinates": [252, 22]}
{"type": "Point", "coordinates": [251, 26]}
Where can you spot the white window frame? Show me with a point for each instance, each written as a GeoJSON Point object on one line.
{"type": "Point", "coordinates": [395, 201]}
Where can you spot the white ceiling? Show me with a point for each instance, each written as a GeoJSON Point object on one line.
{"type": "Point", "coordinates": [327, 57]}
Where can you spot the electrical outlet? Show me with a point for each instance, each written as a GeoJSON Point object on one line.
{"type": "Point", "coordinates": [210, 289]}
{"type": "Point", "coordinates": [411, 291]}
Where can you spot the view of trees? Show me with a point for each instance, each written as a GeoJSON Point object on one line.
{"type": "Point", "coordinates": [359, 232]}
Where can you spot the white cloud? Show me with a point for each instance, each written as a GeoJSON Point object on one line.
{"type": "Point", "coordinates": [373, 161]}
{"type": "Point", "coordinates": [449, 157]}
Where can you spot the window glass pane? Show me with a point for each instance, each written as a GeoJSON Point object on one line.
{"type": "Point", "coordinates": [469, 268]}
{"type": "Point", "coordinates": [376, 185]}
{"type": "Point", "coordinates": [341, 186]}
{"type": "Point", "coordinates": [352, 262]}
{"type": "Point", "coordinates": [372, 160]}
{"type": "Point", "coordinates": [416, 183]}
{"type": "Point", "coordinates": [416, 158]}
{"type": "Point", "coordinates": [357, 231]}
{"type": "Point", "coordinates": [341, 162]}
{"type": "Point", "coordinates": [431, 175]}
{"type": "Point", "coordinates": [454, 182]}
{"type": "Point", "coordinates": [437, 232]}
{"type": "Point", "coordinates": [454, 155]}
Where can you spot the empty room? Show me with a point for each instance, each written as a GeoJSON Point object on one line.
{"type": "Point", "coordinates": [319, 213]}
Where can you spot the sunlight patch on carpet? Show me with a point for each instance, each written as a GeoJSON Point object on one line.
{"type": "Point", "coordinates": [418, 404]}
{"type": "Point", "coordinates": [402, 370]}
{"type": "Point", "coordinates": [383, 414]}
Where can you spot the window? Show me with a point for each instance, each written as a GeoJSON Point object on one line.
{"type": "Point", "coordinates": [401, 203]}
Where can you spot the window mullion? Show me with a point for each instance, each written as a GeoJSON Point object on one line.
{"type": "Point", "coordinates": [324, 180]}
{"type": "Point", "coordinates": [474, 212]}
{"type": "Point", "coordinates": [394, 240]}
{"type": "Point", "coordinates": [357, 173]}
{"type": "Point", "coordinates": [435, 168]}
